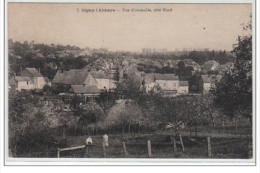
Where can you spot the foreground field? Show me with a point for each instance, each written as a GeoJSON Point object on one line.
{"type": "Point", "coordinates": [229, 146]}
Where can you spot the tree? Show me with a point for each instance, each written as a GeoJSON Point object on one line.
{"type": "Point", "coordinates": [33, 125]}
{"type": "Point", "coordinates": [106, 100]}
{"type": "Point", "coordinates": [123, 114]}
{"type": "Point", "coordinates": [189, 111]}
{"type": "Point", "coordinates": [234, 93]}
{"type": "Point", "coordinates": [131, 86]}
{"type": "Point", "coordinates": [208, 109]}
{"type": "Point", "coordinates": [194, 84]}
{"type": "Point", "coordinates": [46, 89]}
{"type": "Point", "coordinates": [181, 68]}
{"type": "Point", "coordinates": [91, 113]}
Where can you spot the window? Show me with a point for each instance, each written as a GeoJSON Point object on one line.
{"type": "Point", "coordinates": [27, 82]}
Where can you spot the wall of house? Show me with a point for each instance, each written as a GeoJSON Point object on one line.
{"type": "Point", "coordinates": [103, 83]}
{"type": "Point", "coordinates": [169, 93]}
{"type": "Point", "coordinates": [39, 82]}
{"type": "Point", "coordinates": [206, 87]}
{"type": "Point", "coordinates": [112, 84]}
{"type": "Point", "coordinates": [25, 85]}
{"type": "Point", "coordinates": [168, 84]}
{"type": "Point", "coordinates": [149, 87]}
{"type": "Point", "coordinates": [183, 90]}
{"type": "Point", "coordinates": [90, 81]}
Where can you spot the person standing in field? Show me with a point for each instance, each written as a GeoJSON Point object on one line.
{"type": "Point", "coordinates": [87, 146]}
{"type": "Point", "coordinates": [105, 140]}
{"type": "Point", "coordinates": [89, 141]}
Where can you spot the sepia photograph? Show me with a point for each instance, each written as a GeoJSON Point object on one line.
{"type": "Point", "coordinates": [130, 82]}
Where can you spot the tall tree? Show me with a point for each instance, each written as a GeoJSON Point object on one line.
{"type": "Point", "coordinates": [234, 93]}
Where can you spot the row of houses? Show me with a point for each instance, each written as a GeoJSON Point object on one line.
{"type": "Point", "coordinates": [90, 84]}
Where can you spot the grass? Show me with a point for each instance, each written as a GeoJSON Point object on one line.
{"type": "Point", "coordinates": [225, 147]}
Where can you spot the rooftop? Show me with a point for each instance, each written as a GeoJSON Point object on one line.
{"type": "Point", "coordinates": [71, 77]}
{"type": "Point", "coordinates": [34, 72]}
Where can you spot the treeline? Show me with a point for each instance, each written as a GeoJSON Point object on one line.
{"type": "Point", "coordinates": [45, 58]}
{"type": "Point", "coordinates": [199, 57]}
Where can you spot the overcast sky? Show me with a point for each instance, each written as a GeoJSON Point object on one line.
{"type": "Point", "coordinates": [213, 26]}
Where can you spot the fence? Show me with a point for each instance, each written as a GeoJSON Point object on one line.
{"type": "Point", "coordinates": [82, 151]}
{"type": "Point", "coordinates": [178, 147]}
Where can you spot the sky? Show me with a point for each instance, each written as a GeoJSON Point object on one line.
{"type": "Point", "coordinates": [195, 26]}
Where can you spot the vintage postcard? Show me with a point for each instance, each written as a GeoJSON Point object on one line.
{"type": "Point", "coordinates": [130, 83]}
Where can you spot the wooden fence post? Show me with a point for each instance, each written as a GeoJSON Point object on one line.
{"type": "Point", "coordinates": [174, 146]}
{"type": "Point", "coordinates": [104, 149]}
{"type": "Point", "coordinates": [58, 153]}
{"type": "Point", "coordinates": [209, 147]}
{"type": "Point", "coordinates": [124, 147]}
{"type": "Point", "coordinates": [182, 145]}
{"type": "Point", "coordinates": [149, 148]}
{"type": "Point", "coordinates": [86, 151]}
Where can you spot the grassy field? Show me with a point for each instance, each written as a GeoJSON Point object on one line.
{"type": "Point", "coordinates": [225, 146]}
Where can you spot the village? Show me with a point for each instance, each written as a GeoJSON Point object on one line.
{"type": "Point", "coordinates": [132, 97]}
{"type": "Point", "coordinates": [88, 82]}
{"type": "Point", "coordinates": [129, 84]}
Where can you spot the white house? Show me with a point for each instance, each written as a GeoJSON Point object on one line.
{"type": "Point", "coordinates": [206, 84]}
{"type": "Point", "coordinates": [103, 82]}
{"type": "Point", "coordinates": [149, 82]}
{"type": "Point", "coordinates": [21, 83]}
{"type": "Point", "coordinates": [36, 77]}
{"type": "Point", "coordinates": [168, 83]}
{"type": "Point", "coordinates": [29, 79]}
{"type": "Point", "coordinates": [183, 87]}
{"type": "Point", "coordinates": [209, 82]}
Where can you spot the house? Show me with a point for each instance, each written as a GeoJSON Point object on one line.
{"type": "Point", "coordinates": [103, 81]}
{"type": "Point", "coordinates": [149, 83]}
{"type": "Point", "coordinates": [36, 77]}
{"type": "Point", "coordinates": [83, 78]}
{"type": "Point", "coordinates": [21, 83]}
{"type": "Point", "coordinates": [183, 87]}
{"type": "Point", "coordinates": [30, 79]}
{"type": "Point", "coordinates": [85, 93]}
{"type": "Point", "coordinates": [71, 77]}
{"type": "Point", "coordinates": [114, 74]}
{"type": "Point", "coordinates": [168, 83]}
{"type": "Point", "coordinates": [208, 82]}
